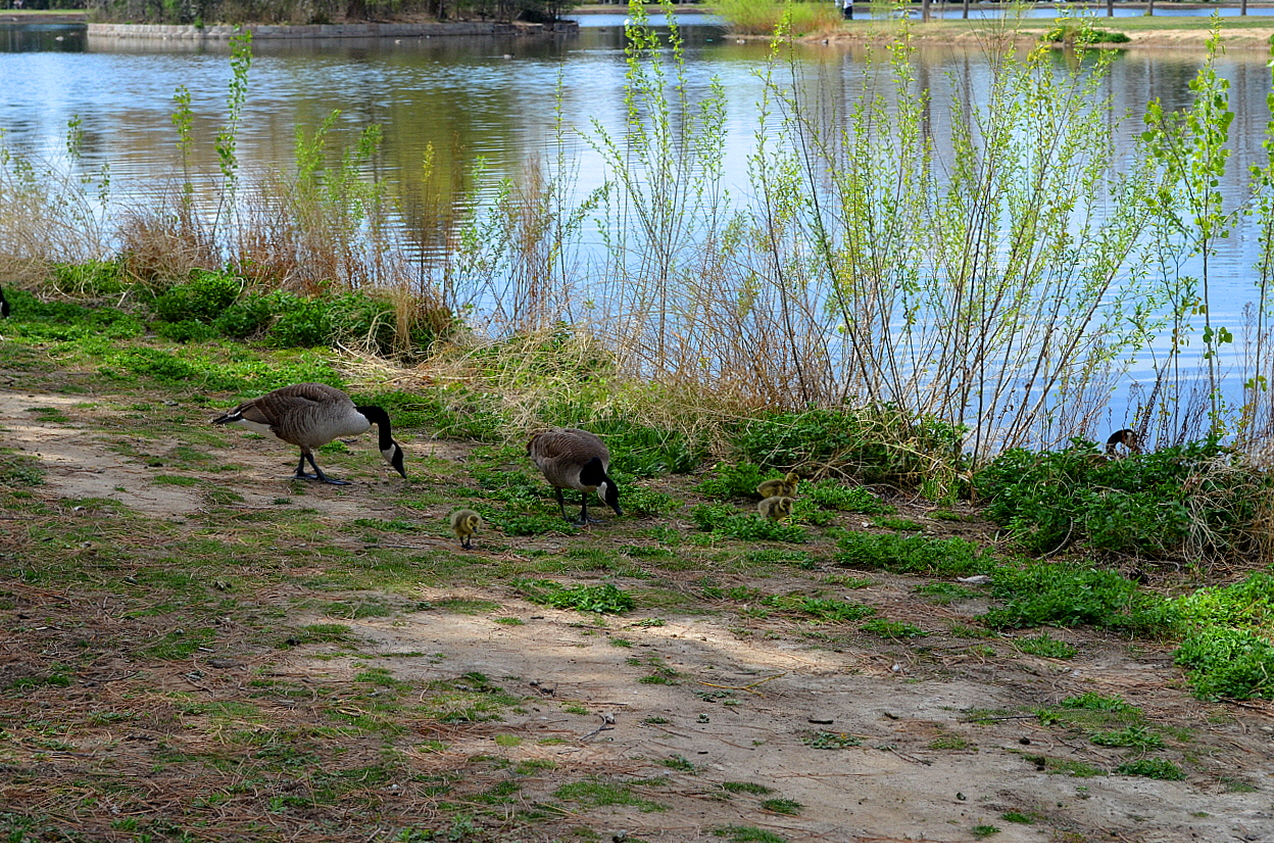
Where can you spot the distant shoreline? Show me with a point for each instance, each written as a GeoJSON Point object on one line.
{"type": "Point", "coordinates": [1251, 32]}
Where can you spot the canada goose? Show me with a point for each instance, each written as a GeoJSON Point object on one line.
{"type": "Point", "coordinates": [464, 523]}
{"type": "Point", "coordinates": [310, 415]}
{"type": "Point", "coordinates": [570, 458]}
{"type": "Point", "coordinates": [784, 488]}
{"type": "Point", "coordinates": [1126, 437]}
{"type": "Point", "coordinates": [4, 304]}
{"type": "Point", "coordinates": [775, 507]}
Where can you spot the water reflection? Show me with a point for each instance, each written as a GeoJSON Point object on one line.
{"type": "Point", "coordinates": [454, 101]}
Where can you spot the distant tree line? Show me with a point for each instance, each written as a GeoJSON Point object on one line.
{"type": "Point", "coordinates": [201, 12]}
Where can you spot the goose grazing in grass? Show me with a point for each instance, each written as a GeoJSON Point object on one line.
{"type": "Point", "coordinates": [464, 523]}
{"type": "Point", "coordinates": [310, 415]}
{"type": "Point", "coordinates": [570, 458]}
{"type": "Point", "coordinates": [783, 488]}
{"type": "Point", "coordinates": [4, 304]}
{"type": "Point", "coordinates": [775, 507]}
{"type": "Point", "coordinates": [1126, 437]}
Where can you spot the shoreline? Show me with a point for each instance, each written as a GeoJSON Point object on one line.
{"type": "Point", "coordinates": [1246, 33]}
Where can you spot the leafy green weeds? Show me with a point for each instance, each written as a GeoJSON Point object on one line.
{"type": "Point", "coordinates": [913, 554]}
{"type": "Point", "coordinates": [602, 599]}
{"type": "Point", "coordinates": [1065, 595]}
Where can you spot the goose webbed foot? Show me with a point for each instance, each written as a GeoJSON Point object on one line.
{"type": "Point", "coordinates": [318, 474]}
{"type": "Point", "coordinates": [584, 518]}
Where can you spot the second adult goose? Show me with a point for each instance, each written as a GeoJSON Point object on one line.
{"type": "Point", "coordinates": [570, 458]}
{"type": "Point", "coordinates": [4, 304]}
{"type": "Point", "coordinates": [1126, 437]}
{"type": "Point", "coordinates": [310, 415]}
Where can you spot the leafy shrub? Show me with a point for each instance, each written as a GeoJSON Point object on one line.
{"type": "Point", "coordinates": [91, 278]}
{"type": "Point", "coordinates": [64, 320]}
{"type": "Point", "coordinates": [831, 494]}
{"type": "Point", "coordinates": [806, 511]}
{"type": "Point", "coordinates": [1065, 595]}
{"type": "Point", "coordinates": [187, 330]}
{"type": "Point", "coordinates": [732, 480]}
{"type": "Point", "coordinates": [1228, 663]}
{"type": "Point", "coordinates": [640, 501]}
{"type": "Point", "coordinates": [1248, 603]}
{"type": "Point", "coordinates": [874, 444]}
{"type": "Point", "coordinates": [299, 322]}
{"type": "Point", "coordinates": [1149, 504]}
{"type": "Point", "coordinates": [945, 593]}
{"type": "Point", "coordinates": [913, 554]}
{"type": "Point", "coordinates": [248, 317]}
{"type": "Point", "coordinates": [201, 299]}
{"type": "Point", "coordinates": [1081, 32]}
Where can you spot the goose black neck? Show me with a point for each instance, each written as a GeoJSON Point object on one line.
{"type": "Point", "coordinates": [593, 473]}
{"type": "Point", "coordinates": [380, 418]}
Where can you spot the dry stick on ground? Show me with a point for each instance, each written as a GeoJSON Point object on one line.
{"type": "Point", "coordinates": [748, 688]}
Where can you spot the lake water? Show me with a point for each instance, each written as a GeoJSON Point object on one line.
{"type": "Point", "coordinates": [499, 99]}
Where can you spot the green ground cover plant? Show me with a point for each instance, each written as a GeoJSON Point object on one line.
{"type": "Point", "coordinates": [913, 554]}
{"type": "Point", "coordinates": [1044, 593]}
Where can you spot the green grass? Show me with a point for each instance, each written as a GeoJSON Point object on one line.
{"type": "Point", "coordinates": [1151, 768]}
{"type": "Point", "coordinates": [782, 806]}
{"type": "Point", "coordinates": [892, 629]}
{"type": "Point", "coordinates": [599, 792]}
{"type": "Point", "coordinates": [748, 834]}
{"type": "Point", "coordinates": [1047, 646]}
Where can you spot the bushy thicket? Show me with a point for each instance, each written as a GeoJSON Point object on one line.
{"type": "Point", "coordinates": [1193, 500]}
{"type": "Point", "coordinates": [216, 304]}
{"type": "Point", "coordinates": [872, 444]}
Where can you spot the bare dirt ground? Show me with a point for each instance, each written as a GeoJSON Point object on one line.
{"type": "Point", "coordinates": [753, 700]}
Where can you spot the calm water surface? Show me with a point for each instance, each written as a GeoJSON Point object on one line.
{"type": "Point", "coordinates": [498, 99]}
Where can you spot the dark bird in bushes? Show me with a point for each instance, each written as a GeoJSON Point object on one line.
{"type": "Point", "coordinates": [309, 415]}
{"type": "Point", "coordinates": [776, 507]}
{"type": "Point", "coordinates": [783, 488]}
{"type": "Point", "coordinates": [570, 458]}
{"type": "Point", "coordinates": [1126, 437]}
{"type": "Point", "coordinates": [464, 523]}
{"type": "Point", "coordinates": [4, 304]}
